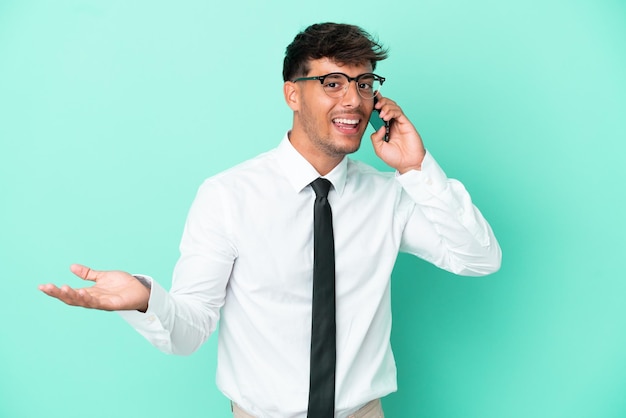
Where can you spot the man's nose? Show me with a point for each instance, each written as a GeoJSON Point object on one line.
{"type": "Point", "coordinates": [352, 96]}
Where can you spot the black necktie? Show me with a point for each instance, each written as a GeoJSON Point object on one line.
{"type": "Point", "coordinates": [323, 329]}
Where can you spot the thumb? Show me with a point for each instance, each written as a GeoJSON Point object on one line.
{"type": "Point", "coordinates": [84, 272]}
{"type": "Point", "coordinates": [378, 138]}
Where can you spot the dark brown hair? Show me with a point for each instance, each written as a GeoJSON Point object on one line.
{"type": "Point", "coordinates": [344, 44]}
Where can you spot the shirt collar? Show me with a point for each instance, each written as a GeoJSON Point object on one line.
{"type": "Point", "coordinates": [301, 173]}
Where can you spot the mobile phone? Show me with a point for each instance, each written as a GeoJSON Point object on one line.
{"type": "Point", "coordinates": [377, 122]}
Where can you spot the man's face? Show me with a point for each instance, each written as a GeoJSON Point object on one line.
{"type": "Point", "coordinates": [333, 125]}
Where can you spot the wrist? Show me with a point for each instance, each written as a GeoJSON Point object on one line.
{"type": "Point", "coordinates": [410, 168]}
{"type": "Point", "coordinates": [144, 280]}
{"type": "Point", "coordinates": [147, 283]}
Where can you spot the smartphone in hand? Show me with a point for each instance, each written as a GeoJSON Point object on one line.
{"type": "Point", "coordinates": [377, 122]}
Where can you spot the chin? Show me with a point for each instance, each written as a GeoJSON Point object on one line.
{"type": "Point", "coordinates": [350, 143]}
{"type": "Point", "coordinates": [343, 146]}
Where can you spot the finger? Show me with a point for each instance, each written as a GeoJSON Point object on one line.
{"type": "Point", "coordinates": [64, 293]}
{"type": "Point", "coordinates": [379, 134]}
{"type": "Point", "coordinates": [378, 138]}
{"type": "Point", "coordinates": [84, 272]}
{"type": "Point", "coordinates": [76, 297]}
{"type": "Point", "coordinates": [47, 288]}
{"type": "Point", "coordinates": [391, 111]}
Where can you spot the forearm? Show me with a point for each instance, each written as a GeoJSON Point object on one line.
{"type": "Point", "coordinates": [175, 324]}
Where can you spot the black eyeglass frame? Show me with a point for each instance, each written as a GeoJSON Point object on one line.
{"type": "Point", "coordinates": [356, 79]}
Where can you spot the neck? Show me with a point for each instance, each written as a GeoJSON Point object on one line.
{"type": "Point", "coordinates": [322, 160]}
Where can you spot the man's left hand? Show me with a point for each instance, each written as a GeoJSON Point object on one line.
{"type": "Point", "coordinates": [405, 149]}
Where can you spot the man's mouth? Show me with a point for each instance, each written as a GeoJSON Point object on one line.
{"type": "Point", "coordinates": [346, 125]}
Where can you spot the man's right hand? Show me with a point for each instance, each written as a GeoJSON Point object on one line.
{"type": "Point", "coordinates": [113, 291]}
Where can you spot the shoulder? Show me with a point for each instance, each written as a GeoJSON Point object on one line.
{"type": "Point", "coordinates": [364, 172]}
{"type": "Point", "coordinates": [250, 172]}
{"type": "Point", "coordinates": [364, 181]}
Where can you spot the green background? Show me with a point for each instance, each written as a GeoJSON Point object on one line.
{"type": "Point", "coordinates": [113, 112]}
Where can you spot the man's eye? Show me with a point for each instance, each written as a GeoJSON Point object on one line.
{"type": "Point", "coordinates": [365, 86]}
{"type": "Point", "coordinates": [333, 85]}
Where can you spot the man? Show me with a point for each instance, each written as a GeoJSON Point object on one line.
{"type": "Point", "coordinates": [247, 252]}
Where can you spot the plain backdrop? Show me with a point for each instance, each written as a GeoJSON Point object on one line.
{"type": "Point", "coordinates": [113, 112]}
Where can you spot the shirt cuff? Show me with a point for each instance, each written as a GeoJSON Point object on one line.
{"type": "Point", "coordinates": [425, 183]}
{"type": "Point", "coordinates": [156, 304]}
{"type": "Point", "coordinates": [145, 280]}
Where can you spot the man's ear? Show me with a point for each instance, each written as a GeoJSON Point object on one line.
{"type": "Point", "coordinates": [292, 95]}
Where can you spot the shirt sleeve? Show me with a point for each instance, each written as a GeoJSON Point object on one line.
{"type": "Point", "coordinates": [444, 227]}
{"type": "Point", "coordinates": [179, 321]}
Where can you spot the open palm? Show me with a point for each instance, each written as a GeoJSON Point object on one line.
{"type": "Point", "coordinates": [112, 291]}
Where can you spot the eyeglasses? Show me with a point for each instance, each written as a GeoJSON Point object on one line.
{"type": "Point", "coordinates": [336, 84]}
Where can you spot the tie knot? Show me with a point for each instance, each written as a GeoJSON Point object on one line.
{"type": "Point", "coordinates": [321, 187]}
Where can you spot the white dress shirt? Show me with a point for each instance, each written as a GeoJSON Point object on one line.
{"type": "Point", "coordinates": [247, 258]}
